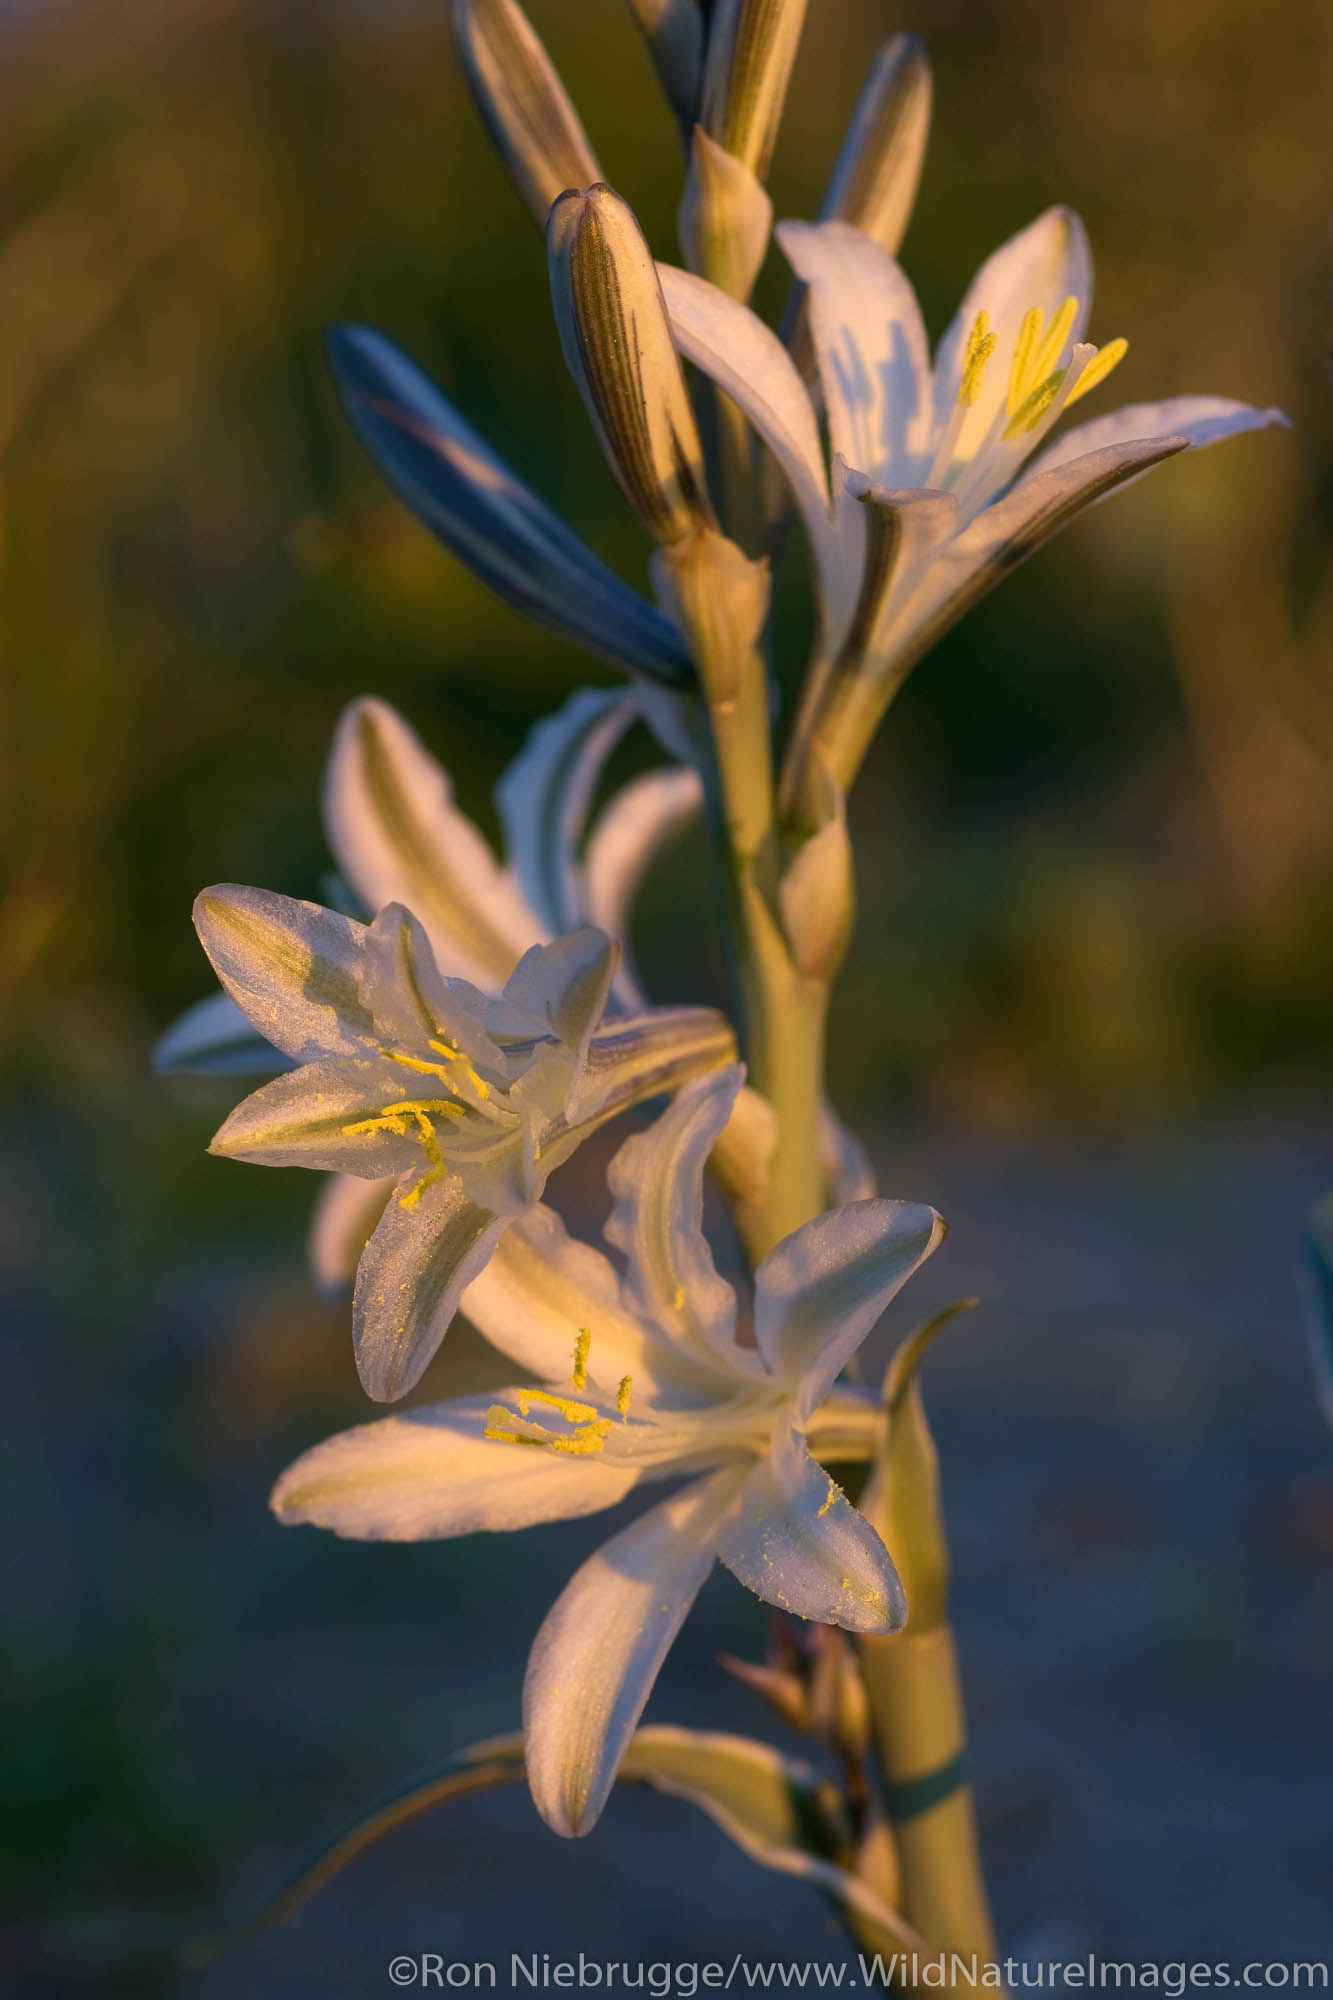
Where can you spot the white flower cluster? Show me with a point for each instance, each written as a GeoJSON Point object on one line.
{"type": "Point", "coordinates": [442, 1058]}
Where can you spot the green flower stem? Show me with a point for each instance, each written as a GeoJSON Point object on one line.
{"type": "Point", "coordinates": [911, 1681]}
{"type": "Point", "coordinates": [720, 598]}
{"type": "Point", "coordinates": [917, 1715]}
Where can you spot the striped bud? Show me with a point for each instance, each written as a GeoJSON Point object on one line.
{"type": "Point", "coordinates": [751, 49]}
{"type": "Point", "coordinates": [526, 109]}
{"type": "Point", "coordinates": [618, 346]}
{"type": "Point", "coordinates": [875, 181]}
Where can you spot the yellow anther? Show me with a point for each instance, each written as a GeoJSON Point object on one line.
{"type": "Point", "coordinates": [1034, 407]}
{"type": "Point", "coordinates": [577, 1413]}
{"type": "Point", "coordinates": [1028, 335]}
{"type": "Point", "coordinates": [623, 1394]}
{"type": "Point", "coordinates": [978, 351]}
{"type": "Point", "coordinates": [469, 1069]}
{"type": "Point", "coordinates": [415, 1062]}
{"type": "Point", "coordinates": [678, 1299]}
{"type": "Point", "coordinates": [384, 1123]}
{"type": "Point", "coordinates": [500, 1426]}
{"type": "Point", "coordinates": [829, 1499]}
{"type": "Point", "coordinates": [581, 1346]}
{"type": "Point", "coordinates": [1103, 361]}
{"type": "Point", "coordinates": [1046, 356]}
{"type": "Point", "coordinates": [582, 1443]}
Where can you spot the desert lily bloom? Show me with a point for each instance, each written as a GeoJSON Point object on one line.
{"type": "Point", "coordinates": [398, 837]}
{"type": "Point", "coordinates": [643, 1378]}
{"type": "Point", "coordinates": [468, 1102]}
{"type": "Point", "coordinates": [940, 453]}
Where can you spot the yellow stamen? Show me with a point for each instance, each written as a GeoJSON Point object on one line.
{"type": "Point", "coordinates": [623, 1394]}
{"type": "Point", "coordinates": [1046, 356]}
{"type": "Point", "coordinates": [415, 1062]}
{"type": "Point", "coordinates": [469, 1069]}
{"type": "Point", "coordinates": [1103, 361]}
{"type": "Point", "coordinates": [1034, 407]}
{"type": "Point", "coordinates": [582, 1443]}
{"type": "Point", "coordinates": [577, 1413]}
{"type": "Point", "coordinates": [979, 349]}
{"type": "Point", "coordinates": [581, 1346]}
{"type": "Point", "coordinates": [829, 1499]}
{"type": "Point", "coordinates": [1028, 334]}
{"type": "Point", "coordinates": [678, 1299]}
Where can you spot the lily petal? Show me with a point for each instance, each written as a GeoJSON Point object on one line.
{"type": "Point", "coordinates": [1003, 535]}
{"type": "Point", "coordinates": [656, 1180]}
{"type": "Point", "coordinates": [870, 344]}
{"type": "Point", "coordinates": [1041, 266]}
{"type": "Point", "coordinates": [213, 1038]}
{"type": "Point", "coordinates": [345, 1215]}
{"type": "Point", "coordinates": [598, 1652]}
{"type": "Point", "coordinates": [562, 987]}
{"type": "Point", "coordinates": [633, 1057]}
{"type": "Point", "coordinates": [636, 824]}
{"type": "Point", "coordinates": [399, 838]}
{"type": "Point", "coordinates": [468, 496]}
{"type": "Point", "coordinates": [797, 1542]}
{"type": "Point", "coordinates": [546, 795]}
{"type": "Point", "coordinates": [409, 999]}
{"type": "Point", "coordinates": [308, 1117]}
{"type": "Point", "coordinates": [431, 1473]}
{"type": "Point", "coordinates": [292, 968]}
{"type": "Point", "coordinates": [543, 1289]}
{"type": "Point", "coordinates": [821, 1291]}
{"type": "Point", "coordinates": [412, 1274]}
{"type": "Point", "coordinates": [1200, 420]}
{"type": "Point", "coordinates": [737, 351]}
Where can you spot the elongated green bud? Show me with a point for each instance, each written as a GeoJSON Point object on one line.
{"type": "Point", "coordinates": [751, 49]}
{"type": "Point", "coordinates": [674, 32]}
{"type": "Point", "coordinates": [875, 181]}
{"type": "Point", "coordinates": [527, 111]}
{"type": "Point", "coordinates": [617, 344]}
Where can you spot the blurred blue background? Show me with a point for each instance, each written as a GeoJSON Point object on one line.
{"type": "Point", "coordinates": [1088, 1011]}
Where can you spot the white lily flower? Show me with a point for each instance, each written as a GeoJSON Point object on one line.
{"type": "Point", "coordinates": [398, 837]}
{"type": "Point", "coordinates": [940, 451]}
{"type": "Point", "coordinates": [645, 1379]}
{"type": "Point", "coordinates": [468, 1103]}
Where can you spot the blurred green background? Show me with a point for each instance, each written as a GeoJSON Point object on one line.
{"type": "Point", "coordinates": [1095, 947]}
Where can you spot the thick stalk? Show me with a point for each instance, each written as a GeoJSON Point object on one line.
{"type": "Point", "coordinates": [920, 1735]}
{"type": "Point", "coordinates": [720, 597]}
{"type": "Point", "coordinates": [911, 1679]}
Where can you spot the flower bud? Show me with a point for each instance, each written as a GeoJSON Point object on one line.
{"type": "Point", "coordinates": [751, 49]}
{"type": "Point", "coordinates": [674, 32]}
{"type": "Point", "coordinates": [527, 111]}
{"type": "Point", "coordinates": [875, 181]}
{"type": "Point", "coordinates": [618, 347]}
